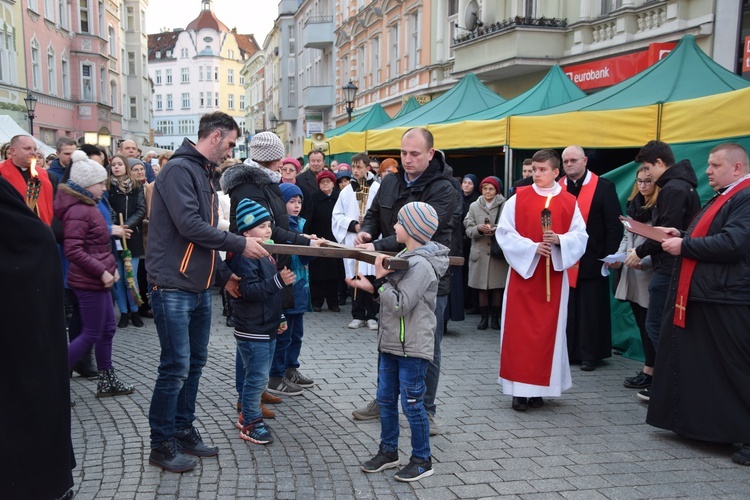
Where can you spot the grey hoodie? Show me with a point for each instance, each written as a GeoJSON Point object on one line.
{"type": "Point", "coordinates": [407, 303]}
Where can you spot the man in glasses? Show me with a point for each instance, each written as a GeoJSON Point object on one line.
{"type": "Point", "coordinates": [676, 204]}
{"type": "Point", "coordinates": [589, 328]}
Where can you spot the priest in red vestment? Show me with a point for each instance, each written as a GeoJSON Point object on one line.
{"type": "Point", "coordinates": [32, 183]}
{"type": "Point", "coordinates": [533, 349]}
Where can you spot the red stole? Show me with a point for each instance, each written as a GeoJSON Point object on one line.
{"type": "Point", "coordinates": [530, 322]}
{"type": "Point", "coordinates": [688, 265]}
{"type": "Point", "coordinates": [44, 206]}
{"type": "Point", "coordinates": [585, 197]}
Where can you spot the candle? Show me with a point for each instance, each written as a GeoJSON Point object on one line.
{"type": "Point", "coordinates": [549, 198]}
{"type": "Point", "coordinates": [32, 168]}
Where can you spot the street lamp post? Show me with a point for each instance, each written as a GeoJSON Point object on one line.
{"type": "Point", "coordinates": [350, 92]}
{"type": "Point", "coordinates": [30, 101]}
{"type": "Point", "coordinates": [273, 121]}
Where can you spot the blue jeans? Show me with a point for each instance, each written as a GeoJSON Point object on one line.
{"type": "Point", "coordinates": [433, 369]}
{"type": "Point", "coordinates": [125, 301]}
{"type": "Point", "coordinates": [404, 375]}
{"type": "Point", "coordinates": [288, 345]}
{"type": "Point", "coordinates": [183, 323]}
{"type": "Point", "coordinates": [658, 288]}
{"type": "Point", "coordinates": [256, 361]}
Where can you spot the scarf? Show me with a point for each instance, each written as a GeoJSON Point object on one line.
{"type": "Point", "coordinates": [637, 210]}
{"type": "Point", "coordinates": [275, 177]}
{"type": "Point", "coordinates": [125, 185]}
{"type": "Point", "coordinates": [80, 190]}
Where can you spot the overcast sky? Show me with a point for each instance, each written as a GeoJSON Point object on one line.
{"type": "Point", "coordinates": [254, 17]}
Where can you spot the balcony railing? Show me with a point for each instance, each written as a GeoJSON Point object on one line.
{"type": "Point", "coordinates": [508, 24]}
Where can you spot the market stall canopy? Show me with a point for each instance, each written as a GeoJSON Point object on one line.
{"type": "Point", "coordinates": [627, 114]}
{"type": "Point", "coordinates": [410, 105]}
{"type": "Point", "coordinates": [468, 96]}
{"type": "Point", "coordinates": [9, 129]}
{"type": "Point", "coordinates": [487, 128]}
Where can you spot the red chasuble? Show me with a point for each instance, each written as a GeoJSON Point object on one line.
{"type": "Point", "coordinates": [530, 321]}
{"type": "Point", "coordinates": [44, 204]}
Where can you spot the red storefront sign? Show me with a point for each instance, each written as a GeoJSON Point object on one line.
{"type": "Point", "coordinates": [607, 72]}
{"type": "Point", "coordinates": [746, 56]}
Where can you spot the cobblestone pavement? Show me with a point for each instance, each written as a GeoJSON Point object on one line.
{"type": "Point", "coordinates": [591, 443]}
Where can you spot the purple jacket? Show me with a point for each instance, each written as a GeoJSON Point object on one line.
{"type": "Point", "coordinates": [85, 240]}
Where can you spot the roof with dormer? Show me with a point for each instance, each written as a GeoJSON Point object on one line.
{"type": "Point", "coordinates": [207, 19]}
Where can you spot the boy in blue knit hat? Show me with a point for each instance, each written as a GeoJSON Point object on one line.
{"type": "Point", "coordinates": [257, 316]}
{"type": "Point", "coordinates": [406, 339]}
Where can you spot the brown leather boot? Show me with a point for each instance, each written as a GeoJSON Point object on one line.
{"type": "Point", "coordinates": [269, 399]}
{"type": "Point", "coordinates": [266, 412]}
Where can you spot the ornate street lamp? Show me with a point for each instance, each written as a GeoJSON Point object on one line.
{"type": "Point", "coordinates": [273, 121]}
{"type": "Point", "coordinates": [30, 101]}
{"type": "Point", "coordinates": [350, 92]}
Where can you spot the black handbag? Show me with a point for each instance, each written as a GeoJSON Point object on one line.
{"type": "Point", "coordinates": [495, 250]}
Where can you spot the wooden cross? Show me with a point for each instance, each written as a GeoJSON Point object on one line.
{"type": "Point", "coordinates": [681, 306]}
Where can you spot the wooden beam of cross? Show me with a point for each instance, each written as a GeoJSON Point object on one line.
{"type": "Point", "coordinates": [453, 261]}
{"type": "Point", "coordinates": [337, 252]}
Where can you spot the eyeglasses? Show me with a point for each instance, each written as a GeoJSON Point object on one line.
{"type": "Point", "coordinates": [571, 160]}
{"type": "Point", "coordinates": [289, 169]}
{"type": "Point", "coordinates": [644, 181]}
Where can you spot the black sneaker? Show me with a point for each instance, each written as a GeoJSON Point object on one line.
{"type": "Point", "coordinates": [645, 394]}
{"type": "Point", "coordinates": [167, 456]}
{"type": "Point", "coordinates": [383, 460]}
{"type": "Point", "coordinates": [294, 376]}
{"type": "Point", "coordinates": [416, 470]}
{"type": "Point", "coordinates": [190, 442]}
{"type": "Point", "coordinates": [640, 381]}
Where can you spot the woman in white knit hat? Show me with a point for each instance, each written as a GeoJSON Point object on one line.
{"type": "Point", "coordinates": [92, 271]}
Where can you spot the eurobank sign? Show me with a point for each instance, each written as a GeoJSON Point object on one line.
{"type": "Point", "coordinates": [606, 72]}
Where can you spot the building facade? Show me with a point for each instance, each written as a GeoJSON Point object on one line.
{"type": "Point", "coordinates": [195, 71]}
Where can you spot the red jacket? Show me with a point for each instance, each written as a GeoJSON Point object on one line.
{"type": "Point", "coordinates": [13, 175]}
{"type": "Point", "coordinates": [85, 240]}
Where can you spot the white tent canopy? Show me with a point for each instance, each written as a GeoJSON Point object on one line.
{"type": "Point", "coordinates": [9, 129]}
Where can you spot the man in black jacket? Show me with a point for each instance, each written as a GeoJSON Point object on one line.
{"type": "Point", "coordinates": [676, 204]}
{"type": "Point", "coordinates": [702, 387]}
{"type": "Point", "coordinates": [424, 176]}
{"type": "Point", "coordinates": [308, 180]}
{"type": "Point", "coordinates": [589, 328]}
{"type": "Point", "coordinates": [182, 264]}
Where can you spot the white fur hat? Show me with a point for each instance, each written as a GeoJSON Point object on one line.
{"type": "Point", "coordinates": [86, 172]}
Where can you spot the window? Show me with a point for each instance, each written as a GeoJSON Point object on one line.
{"type": "Point", "coordinates": [169, 54]}
{"type": "Point", "coordinates": [131, 63]}
{"type": "Point", "coordinates": [146, 110]}
{"type": "Point", "coordinates": [157, 75]}
{"type": "Point", "coordinates": [529, 9]}
{"type": "Point", "coordinates": [102, 24]}
{"type": "Point", "coordinates": [230, 54]}
{"type": "Point", "coordinates": [361, 58]}
{"type": "Point", "coordinates": [8, 54]}
{"type": "Point", "coordinates": [144, 65]}
{"type": "Point", "coordinates": [143, 22]}
{"type": "Point", "coordinates": [452, 7]}
{"type": "Point", "coordinates": [113, 95]}
{"type": "Point", "coordinates": [242, 80]}
{"type": "Point", "coordinates": [87, 83]}
{"type": "Point", "coordinates": [230, 77]}
{"type": "Point", "coordinates": [230, 101]}
{"type": "Point", "coordinates": [185, 75]}
{"type": "Point", "coordinates": [83, 16]}
{"type": "Point", "coordinates": [111, 39]}
{"type": "Point", "coordinates": [185, 100]}
{"type": "Point", "coordinates": [169, 101]}
{"type": "Point", "coordinates": [216, 100]}
{"type": "Point", "coordinates": [216, 74]}
{"type": "Point", "coordinates": [36, 71]}
{"type": "Point", "coordinates": [200, 73]}
{"type": "Point", "coordinates": [51, 73]}
{"type": "Point", "coordinates": [414, 41]}
{"type": "Point", "coordinates": [610, 5]}
{"type": "Point", "coordinates": [166, 127]}
{"type": "Point", "coordinates": [186, 127]}
{"type": "Point", "coordinates": [102, 85]}
{"type": "Point", "coordinates": [34, 5]}
{"type": "Point", "coordinates": [62, 13]}
{"type": "Point", "coordinates": [65, 73]}
{"type": "Point", "coordinates": [130, 26]}
{"type": "Point", "coordinates": [393, 53]}
{"type": "Point", "coordinates": [375, 51]}
{"type": "Point", "coordinates": [169, 76]}
{"type": "Point", "coordinates": [242, 102]}
{"type": "Point", "coordinates": [122, 64]}
{"type": "Point", "coordinates": [209, 99]}
{"type": "Point", "coordinates": [133, 108]}
{"type": "Point", "coordinates": [159, 104]}
{"type": "Point", "coordinates": [292, 91]}
{"type": "Point", "coordinates": [49, 10]}
{"type": "Point", "coordinates": [202, 102]}
{"type": "Point", "coordinates": [184, 53]}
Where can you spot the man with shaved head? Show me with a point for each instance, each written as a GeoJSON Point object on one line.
{"type": "Point", "coordinates": [129, 149]}
{"type": "Point", "coordinates": [589, 329]}
{"type": "Point", "coordinates": [701, 389]}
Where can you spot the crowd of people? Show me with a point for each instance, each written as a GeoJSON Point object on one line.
{"type": "Point", "coordinates": [152, 235]}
